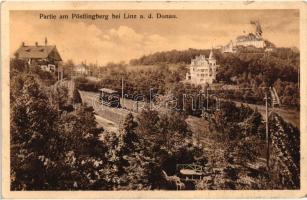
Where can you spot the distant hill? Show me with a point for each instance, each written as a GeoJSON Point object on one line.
{"type": "Point", "coordinates": [173, 56]}
{"type": "Point", "coordinates": [185, 56]}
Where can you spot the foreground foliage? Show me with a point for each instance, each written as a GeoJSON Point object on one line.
{"type": "Point", "coordinates": [56, 144]}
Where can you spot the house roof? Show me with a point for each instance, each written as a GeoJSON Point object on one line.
{"type": "Point", "coordinates": [38, 52]}
{"type": "Point", "coordinates": [200, 57]}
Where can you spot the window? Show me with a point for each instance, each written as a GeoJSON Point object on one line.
{"type": "Point", "coordinates": [51, 68]}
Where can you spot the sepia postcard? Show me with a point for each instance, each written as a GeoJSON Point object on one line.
{"type": "Point", "coordinates": [153, 100]}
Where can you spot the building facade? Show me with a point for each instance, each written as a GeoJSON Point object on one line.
{"type": "Point", "coordinates": [251, 39]}
{"type": "Point", "coordinates": [245, 41]}
{"type": "Point", "coordinates": [202, 70]}
{"type": "Point", "coordinates": [81, 70]}
{"type": "Point", "coordinates": [45, 56]}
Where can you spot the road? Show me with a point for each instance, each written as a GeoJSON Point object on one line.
{"type": "Point", "coordinates": [289, 115]}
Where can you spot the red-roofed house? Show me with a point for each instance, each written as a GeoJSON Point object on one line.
{"type": "Point", "coordinates": [46, 56]}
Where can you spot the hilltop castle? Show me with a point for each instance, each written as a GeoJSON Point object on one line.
{"type": "Point", "coordinates": [251, 39]}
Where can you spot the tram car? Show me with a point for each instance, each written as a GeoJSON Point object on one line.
{"type": "Point", "coordinates": [109, 97]}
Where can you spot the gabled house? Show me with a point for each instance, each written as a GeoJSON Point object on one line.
{"type": "Point", "coordinates": [46, 56]}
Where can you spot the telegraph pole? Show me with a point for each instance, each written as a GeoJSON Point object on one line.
{"type": "Point", "coordinates": [122, 87]}
{"type": "Point", "coordinates": [123, 99]}
{"type": "Point", "coordinates": [122, 92]}
{"type": "Point", "coordinates": [267, 137]}
{"type": "Point", "coordinates": [207, 95]}
{"type": "Point", "coordinates": [150, 105]}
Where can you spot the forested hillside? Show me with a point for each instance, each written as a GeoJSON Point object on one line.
{"type": "Point", "coordinates": [252, 72]}
{"type": "Point", "coordinates": [252, 69]}
{"type": "Point", "coordinates": [57, 145]}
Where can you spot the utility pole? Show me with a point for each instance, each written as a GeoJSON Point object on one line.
{"type": "Point", "coordinates": [150, 106]}
{"type": "Point", "coordinates": [267, 137]}
{"type": "Point", "coordinates": [122, 91]}
{"type": "Point", "coordinates": [198, 139]}
{"type": "Point", "coordinates": [183, 102]}
{"type": "Point", "coordinates": [207, 95]}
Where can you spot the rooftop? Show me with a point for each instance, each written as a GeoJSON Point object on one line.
{"type": "Point", "coordinates": [38, 52]}
{"type": "Point", "coordinates": [249, 37]}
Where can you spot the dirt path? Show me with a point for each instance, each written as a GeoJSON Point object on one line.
{"type": "Point", "coordinates": [106, 124]}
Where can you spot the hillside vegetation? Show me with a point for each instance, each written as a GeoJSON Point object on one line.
{"type": "Point", "coordinates": [252, 71]}
{"type": "Point", "coordinates": [57, 145]}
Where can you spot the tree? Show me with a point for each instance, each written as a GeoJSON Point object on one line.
{"type": "Point", "coordinates": [51, 149]}
{"type": "Point", "coordinates": [285, 154]}
{"type": "Point", "coordinates": [34, 143]}
{"type": "Point", "coordinates": [68, 68]}
{"type": "Point", "coordinates": [17, 66]}
{"type": "Point", "coordinates": [76, 96]}
{"type": "Point", "coordinates": [130, 137]}
{"type": "Point", "coordinates": [166, 139]}
{"type": "Point", "coordinates": [84, 152]}
{"type": "Point", "coordinates": [58, 97]}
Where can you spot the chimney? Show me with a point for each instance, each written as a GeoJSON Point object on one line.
{"type": "Point", "coordinates": [23, 44]}
{"type": "Point", "coordinates": [46, 41]}
{"type": "Point", "coordinates": [36, 43]}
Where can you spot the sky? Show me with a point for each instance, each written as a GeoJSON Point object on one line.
{"type": "Point", "coordinates": [116, 40]}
